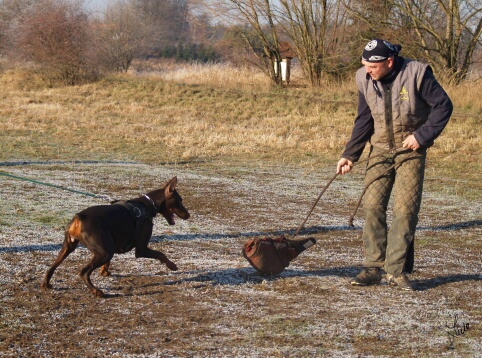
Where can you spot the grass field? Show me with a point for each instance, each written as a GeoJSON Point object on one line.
{"type": "Point", "coordinates": [250, 161]}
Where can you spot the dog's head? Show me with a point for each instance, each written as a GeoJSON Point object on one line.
{"type": "Point", "coordinates": [168, 201]}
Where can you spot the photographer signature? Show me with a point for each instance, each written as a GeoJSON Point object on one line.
{"type": "Point", "coordinates": [456, 330]}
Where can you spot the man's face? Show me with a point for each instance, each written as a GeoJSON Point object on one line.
{"type": "Point", "coordinates": [378, 70]}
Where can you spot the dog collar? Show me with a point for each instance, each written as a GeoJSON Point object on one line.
{"type": "Point", "coordinates": [150, 200]}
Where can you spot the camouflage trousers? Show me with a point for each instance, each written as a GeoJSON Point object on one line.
{"type": "Point", "coordinates": [385, 248]}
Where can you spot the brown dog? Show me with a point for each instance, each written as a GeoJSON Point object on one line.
{"type": "Point", "coordinates": [112, 229]}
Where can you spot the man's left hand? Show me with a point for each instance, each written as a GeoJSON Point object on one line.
{"type": "Point", "coordinates": [411, 143]}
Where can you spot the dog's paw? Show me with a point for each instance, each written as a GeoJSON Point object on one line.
{"type": "Point", "coordinates": [104, 273]}
{"type": "Point", "coordinates": [171, 266]}
{"type": "Point", "coordinates": [98, 293]}
{"type": "Point", "coordinates": [46, 286]}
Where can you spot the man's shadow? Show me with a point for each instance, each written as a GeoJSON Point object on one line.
{"type": "Point", "coordinates": [424, 285]}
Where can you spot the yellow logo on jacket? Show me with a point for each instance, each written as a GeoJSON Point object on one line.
{"type": "Point", "coordinates": [403, 94]}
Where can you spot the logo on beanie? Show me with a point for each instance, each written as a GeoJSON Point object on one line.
{"type": "Point", "coordinates": [376, 58]}
{"type": "Point", "coordinates": [390, 46]}
{"type": "Point", "coordinates": [371, 45]}
{"type": "Point", "coordinates": [379, 50]}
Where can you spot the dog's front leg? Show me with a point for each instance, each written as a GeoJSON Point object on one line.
{"type": "Point", "coordinates": [143, 251]}
{"type": "Point", "coordinates": [153, 254]}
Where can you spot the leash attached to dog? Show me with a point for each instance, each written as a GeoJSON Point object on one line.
{"type": "Point", "coordinates": [55, 186]}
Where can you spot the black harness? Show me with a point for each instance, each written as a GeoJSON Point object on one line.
{"type": "Point", "coordinates": [140, 213]}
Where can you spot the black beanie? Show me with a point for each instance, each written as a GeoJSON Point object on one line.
{"type": "Point", "coordinates": [379, 50]}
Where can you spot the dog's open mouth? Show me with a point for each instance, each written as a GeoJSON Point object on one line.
{"type": "Point", "coordinates": [171, 214]}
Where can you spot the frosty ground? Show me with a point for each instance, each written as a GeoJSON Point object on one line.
{"type": "Point", "coordinates": [216, 304]}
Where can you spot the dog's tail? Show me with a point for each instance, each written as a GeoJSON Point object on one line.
{"type": "Point", "coordinates": [74, 229]}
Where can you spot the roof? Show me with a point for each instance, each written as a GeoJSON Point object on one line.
{"type": "Point", "coordinates": [285, 50]}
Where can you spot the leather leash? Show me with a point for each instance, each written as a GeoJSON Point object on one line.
{"type": "Point", "coordinates": [393, 151]}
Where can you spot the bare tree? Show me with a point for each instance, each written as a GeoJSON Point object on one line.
{"type": "Point", "coordinates": [11, 14]}
{"type": "Point", "coordinates": [444, 33]}
{"type": "Point", "coordinates": [306, 24]}
{"type": "Point", "coordinates": [165, 22]}
{"type": "Point", "coordinates": [121, 36]}
{"type": "Point", "coordinates": [316, 28]}
{"type": "Point", "coordinates": [55, 35]}
{"type": "Point", "coordinates": [255, 21]}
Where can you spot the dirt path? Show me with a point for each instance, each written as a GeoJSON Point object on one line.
{"type": "Point", "coordinates": [216, 305]}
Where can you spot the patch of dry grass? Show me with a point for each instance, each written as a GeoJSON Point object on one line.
{"type": "Point", "coordinates": [151, 119]}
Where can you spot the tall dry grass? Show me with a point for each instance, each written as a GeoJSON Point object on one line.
{"type": "Point", "coordinates": [462, 136]}
{"type": "Point", "coordinates": [170, 113]}
{"type": "Point", "coordinates": [180, 114]}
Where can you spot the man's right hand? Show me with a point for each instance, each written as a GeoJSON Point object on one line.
{"type": "Point", "coordinates": [344, 166]}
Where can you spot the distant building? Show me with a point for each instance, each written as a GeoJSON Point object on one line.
{"type": "Point", "coordinates": [287, 54]}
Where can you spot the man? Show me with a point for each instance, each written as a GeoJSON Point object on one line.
{"type": "Point", "coordinates": [402, 109]}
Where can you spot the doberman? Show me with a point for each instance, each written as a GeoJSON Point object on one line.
{"type": "Point", "coordinates": [118, 228]}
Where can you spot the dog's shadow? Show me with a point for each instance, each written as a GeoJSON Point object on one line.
{"type": "Point", "coordinates": [249, 276]}
{"type": "Point", "coordinates": [225, 277]}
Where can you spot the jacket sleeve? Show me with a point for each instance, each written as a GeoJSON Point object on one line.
{"type": "Point", "coordinates": [362, 131]}
{"type": "Point", "coordinates": [441, 109]}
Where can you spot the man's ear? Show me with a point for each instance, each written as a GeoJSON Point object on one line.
{"type": "Point", "coordinates": [391, 61]}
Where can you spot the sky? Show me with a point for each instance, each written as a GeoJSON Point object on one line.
{"type": "Point", "coordinates": [96, 5]}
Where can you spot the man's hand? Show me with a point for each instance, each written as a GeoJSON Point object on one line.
{"type": "Point", "coordinates": [411, 143]}
{"type": "Point", "coordinates": [344, 166]}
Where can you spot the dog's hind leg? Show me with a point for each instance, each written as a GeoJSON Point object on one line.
{"type": "Point", "coordinates": [104, 270]}
{"type": "Point", "coordinates": [68, 247]}
{"type": "Point", "coordinates": [102, 248]}
{"type": "Point", "coordinates": [97, 261]}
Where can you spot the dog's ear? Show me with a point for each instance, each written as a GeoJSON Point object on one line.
{"type": "Point", "coordinates": [171, 186]}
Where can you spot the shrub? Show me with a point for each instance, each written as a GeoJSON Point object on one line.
{"type": "Point", "coordinates": [56, 36]}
